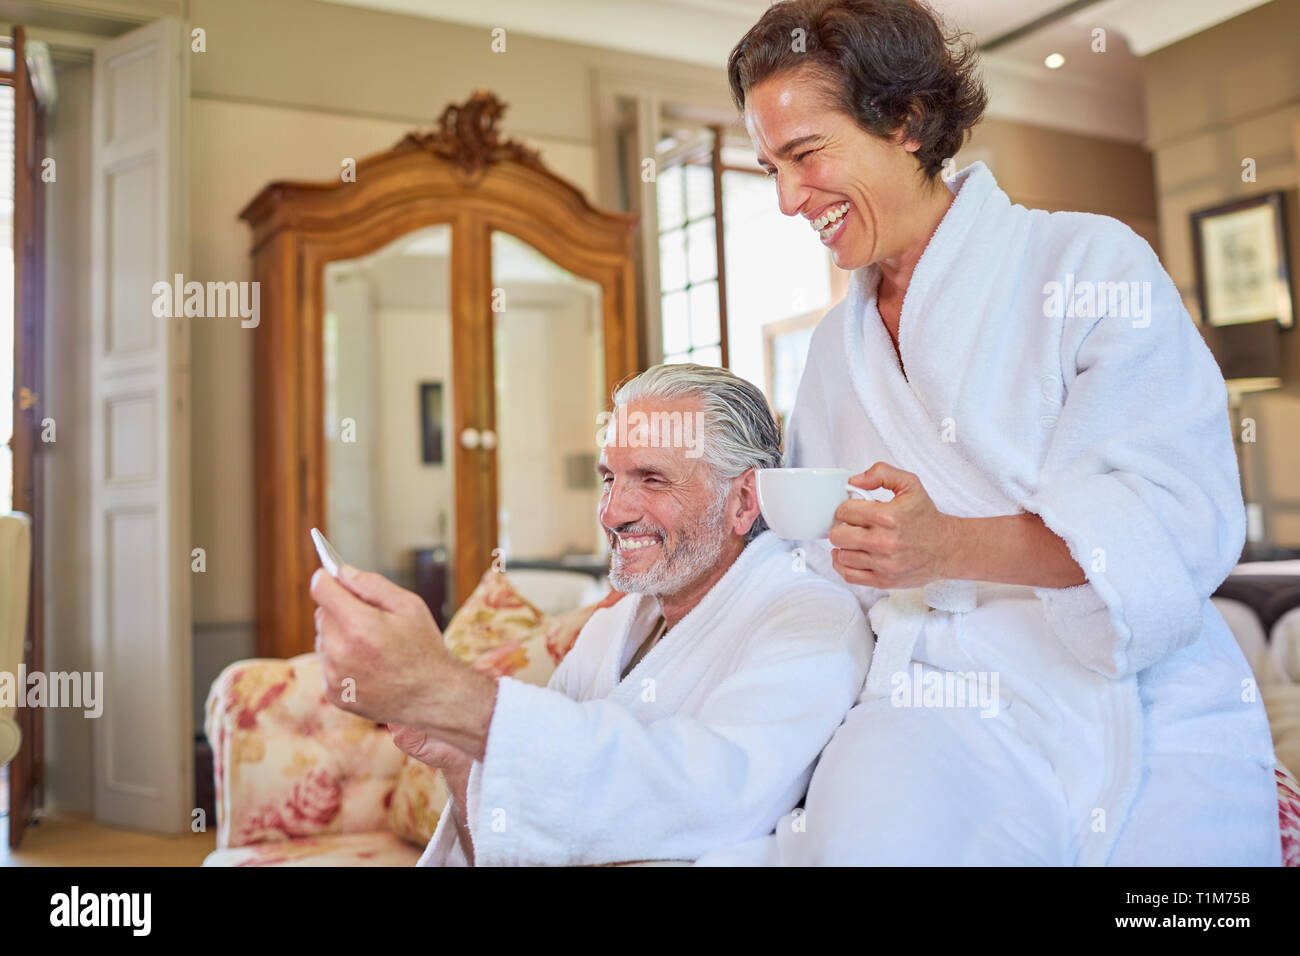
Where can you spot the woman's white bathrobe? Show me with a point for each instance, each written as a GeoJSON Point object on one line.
{"type": "Point", "coordinates": [709, 740]}
{"type": "Point", "coordinates": [1129, 731]}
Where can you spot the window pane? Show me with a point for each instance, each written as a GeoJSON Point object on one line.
{"type": "Point", "coordinates": [677, 333]}
{"type": "Point", "coordinates": [669, 183]}
{"type": "Point", "coordinates": [672, 261]}
{"type": "Point", "coordinates": [702, 250]}
{"type": "Point", "coordinates": [549, 334]}
{"type": "Point", "coordinates": [699, 191]}
{"type": "Point", "coordinates": [789, 354]}
{"type": "Point", "coordinates": [677, 359]}
{"type": "Point", "coordinates": [704, 314]}
{"type": "Point", "coordinates": [709, 356]}
{"type": "Point", "coordinates": [742, 156]}
{"type": "Point", "coordinates": [776, 268]}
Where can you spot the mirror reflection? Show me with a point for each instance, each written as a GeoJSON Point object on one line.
{"type": "Point", "coordinates": [550, 388]}
{"type": "Point", "coordinates": [390, 490]}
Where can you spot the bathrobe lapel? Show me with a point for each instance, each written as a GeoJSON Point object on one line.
{"type": "Point", "coordinates": [910, 413]}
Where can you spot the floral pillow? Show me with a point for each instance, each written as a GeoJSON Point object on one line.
{"type": "Point", "coordinates": [562, 631]}
{"type": "Point", "coordinates": [494, 614]}
{"type": "Point", "coordinates": [418, 799]}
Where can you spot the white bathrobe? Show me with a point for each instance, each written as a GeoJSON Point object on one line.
{"type": "Point", "coordinates": [1128, 730]}
{"type": "Point", "coordinates": [709, 740]}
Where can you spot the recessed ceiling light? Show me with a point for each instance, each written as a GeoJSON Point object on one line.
{"type": "Point", "coordinates": [1054, 61]}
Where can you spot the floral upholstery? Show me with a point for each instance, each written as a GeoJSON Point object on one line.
{"type": "Point", "coordinates": [1288, 811]}
{"type": "Point", "coordinates": [288, 764]}
{"type": "Point", "coordinates": [494, 614]}
{"type": "Point", "coordinates": [380, 848]}
{"type": "Point", "coordinates": [562, 631]}
{"type": "Point", "coordinates": [418, 799]}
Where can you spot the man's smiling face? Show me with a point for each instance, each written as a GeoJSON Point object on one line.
{"type": "Point", "coordinates": [662, 507]}
{"type": "Point", "coordinates": [854, 188]}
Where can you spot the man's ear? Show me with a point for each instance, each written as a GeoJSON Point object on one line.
{"type": "Point", "coordinates": [747, 509]}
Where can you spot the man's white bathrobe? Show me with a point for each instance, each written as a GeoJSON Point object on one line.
{"type": "Point", "coordinates": [1128, 729]}
{"type": "Point", "coordinates": [709, 740]}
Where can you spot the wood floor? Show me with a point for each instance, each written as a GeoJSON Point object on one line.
{"type": "Point", "coordinates": [73, 840]}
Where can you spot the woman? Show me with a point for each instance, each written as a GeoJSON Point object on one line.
{"type": "Point", "coordinates": [1051, 425]}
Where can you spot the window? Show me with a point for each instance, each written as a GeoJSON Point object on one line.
{"type": "Point", "coordinates": [689, 297]}
{"type": "Point", "coordinates": [773, 276]}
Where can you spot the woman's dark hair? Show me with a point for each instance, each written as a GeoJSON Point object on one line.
{"type": "Point", "coordinates": [890, 65]}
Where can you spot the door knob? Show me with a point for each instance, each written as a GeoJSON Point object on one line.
{"type": "Point", "coordinates": [488, 440]}
{"type": "Point", "coordinates": [469, 438]}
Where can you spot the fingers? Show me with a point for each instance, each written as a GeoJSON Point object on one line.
{"type": "Point", "coordinates": [407, 739]}
{"type": "Point", "coordinates": [884, 475]}
{"type": "Point", "coordinates": [331, 640]}
{"type": "Point", "coordinates": [856, 560]}
{"type": "Point", "coordinates": [374, 589]}
{"type": "Point", "coordinates": [340, 603]}
{"type": "Point", "coordinates": [877, 570]}
{"type": "Point", "coordinates": [857, 572]}
{"type": "Point", "coordinates": [866, 514]}
{"type": "Point", "coordinates": [337, 652]}
{"type": "Point", "coordinates": [872, 539]}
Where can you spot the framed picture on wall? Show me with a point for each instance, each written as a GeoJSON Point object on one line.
{"type": "Point", "coordinates": [1241, 262]}
{"type": "Point", "coordinates": [431, 422]}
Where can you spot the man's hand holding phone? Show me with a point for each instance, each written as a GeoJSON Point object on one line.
{"type": "Point", "coordinates": [383, 658]}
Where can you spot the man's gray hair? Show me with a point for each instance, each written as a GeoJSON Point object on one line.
{"type": "Point", "coordinates": [739, 430]}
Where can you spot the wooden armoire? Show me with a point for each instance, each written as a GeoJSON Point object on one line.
{"type": "Point", "coordinates": [462, 174]}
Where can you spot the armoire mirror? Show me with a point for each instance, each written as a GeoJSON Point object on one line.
{"type": "Point", "coordinates": [438, 335]}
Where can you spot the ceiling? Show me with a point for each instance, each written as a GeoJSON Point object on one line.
{"type": "Point", "coordinates": [1095, 93]}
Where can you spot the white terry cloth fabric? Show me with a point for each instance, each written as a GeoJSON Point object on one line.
{"type": "Point", "coordinates": [1126, 693]}
{"type": "Point", "coordinates": [708, 742]}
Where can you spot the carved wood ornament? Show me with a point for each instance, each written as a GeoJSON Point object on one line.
{"type": "Point", "coordinates": [467, 136]}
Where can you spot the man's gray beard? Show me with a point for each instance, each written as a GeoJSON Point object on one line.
{"type": "Point", "coordinates": [691, 558]}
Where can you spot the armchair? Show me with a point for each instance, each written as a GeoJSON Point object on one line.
{"type": "Point", "coordinates": [15, 575]}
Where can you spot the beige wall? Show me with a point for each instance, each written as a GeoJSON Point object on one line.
{"type": "Point", "coordinates": [1054, 170]}
{"type": "Point", "coordinates": [1231, 93]}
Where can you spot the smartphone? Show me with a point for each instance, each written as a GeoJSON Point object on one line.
{"type": "Point", "coordinates": [330, 559]}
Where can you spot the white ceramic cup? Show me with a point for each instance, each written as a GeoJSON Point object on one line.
{"type": "Point", "coordinates": [799, 504]}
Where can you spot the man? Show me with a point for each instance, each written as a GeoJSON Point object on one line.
{"type": "Point", "coordinates": [687, 716]}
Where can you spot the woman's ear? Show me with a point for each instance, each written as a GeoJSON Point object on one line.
{"type": "Point", "coordinates": [911, 124]}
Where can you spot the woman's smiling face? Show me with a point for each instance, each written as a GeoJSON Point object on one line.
{"type": "Point", "coordinates": [854, 188]}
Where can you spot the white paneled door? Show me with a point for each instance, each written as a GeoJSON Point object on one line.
{"type": "Point", "coordinates": [140, 413]}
